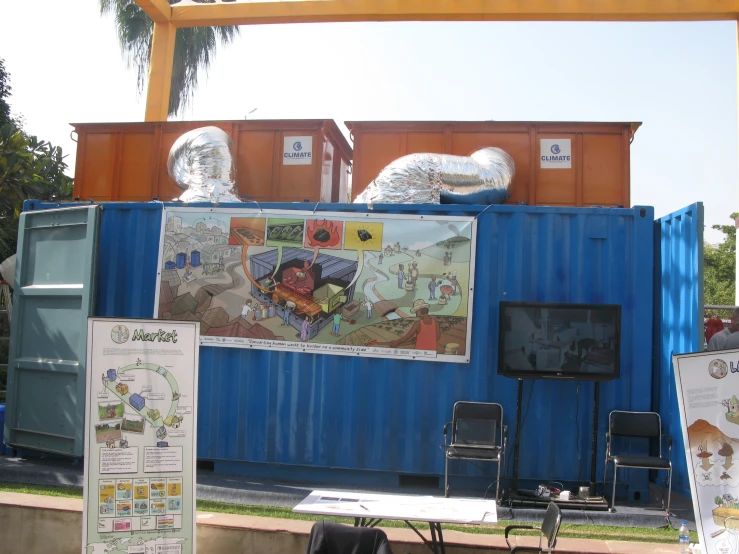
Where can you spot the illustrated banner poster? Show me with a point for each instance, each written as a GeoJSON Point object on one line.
{"type": "Point", "coordinates": [708, 396]}
{"type": "Point", "coordinates": [141, 408]}
{"type": "Point", "coordinates": [389, 286]}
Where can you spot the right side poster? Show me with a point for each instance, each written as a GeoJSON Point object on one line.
{"type": "Point", "coordinates": [708, 395]}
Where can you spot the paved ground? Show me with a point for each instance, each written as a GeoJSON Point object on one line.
{"type": "Point", "coordinates": [238, 489]}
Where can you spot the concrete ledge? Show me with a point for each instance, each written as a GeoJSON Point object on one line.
{"type": "Point", "coordinates": [35, 524]}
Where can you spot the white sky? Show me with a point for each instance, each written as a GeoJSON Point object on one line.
{"type": "Point", "coordinates": [679, 79]}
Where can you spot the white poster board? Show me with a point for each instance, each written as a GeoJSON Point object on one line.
{"type": "Point", "coordinates": [708, 396]}
{"type": "Point", "coordinates": [140, 429]}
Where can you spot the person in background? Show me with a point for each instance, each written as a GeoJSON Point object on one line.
{"type": "Point", "coordinates": [246, 310]}
{"type": "Point", "coordinates": [336, 322]}
{"type": "Point", "coordinates": [453, 281]}
{"type": "Point", "coordinates": [432, 288]}
{"type": "Point", "coordinates": [414, 272]}
{"type": "Point", "coordinates": [426, 330]}
{"type": "Point", "coordinates": [304, 329]}
{"type": "Point", "coordinates": [368, 305]}
{"type": "Point", "coordinates": [720, 340]}
{"type": "Point", "coordinates": [286, 313]}
{"type": "Point", "coordinates": [713, 326]}
{"type": "Point", "coordinates": [732, 341]}
{"type": "Point", "coordinates": [380, 258]}
{"type": "Point", "coordinates": [401, 276]}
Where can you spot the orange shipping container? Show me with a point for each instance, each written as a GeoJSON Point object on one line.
{"type": "Point", "coordinates": [128, 161]}
{"type": "Point", "coordinates": [557, 164]}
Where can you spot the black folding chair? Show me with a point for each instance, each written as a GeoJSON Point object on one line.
{"type": "Point", "coordinates": [477, 433]}
{"type": "Point", "coordinates": [548, 530]}
{"type": "Point", "coordinates": [327, 537]}
{"type": "Point", "coordinates": [645, 425]}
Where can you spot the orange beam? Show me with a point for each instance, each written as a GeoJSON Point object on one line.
{"type": "Point", "coordinates": [320, 11]}
{"type": "Point", "coordinates": [159, 11]}
{"type": "Point", "coordinates": [160, 72]}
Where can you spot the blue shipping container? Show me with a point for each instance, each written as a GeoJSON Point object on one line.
{"type": "Point", "coordinates": [195, 258]}
{"type": "Point", "coordinates": [170, 265]}
{"type": "Point", "coordinates": [678, 317]}
{"type": "Point", "coordinates": [307, 415]}
{"type": "Point", "coordinates": [181, 260]}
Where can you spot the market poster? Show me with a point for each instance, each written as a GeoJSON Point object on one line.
{"type": "Point", "coordinates": [380, 285]}
{"type": "Point", "coordinates": [140, 429]}
{"type": "Point", "coordinates": [708, 396]}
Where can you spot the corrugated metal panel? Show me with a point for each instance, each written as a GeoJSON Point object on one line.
{"type": "Point", "coordinates": [678, 317]}
{"type": "Point", "coordinates": [388, 415]}
{"type": "Point", "coordinates": [54, 296]}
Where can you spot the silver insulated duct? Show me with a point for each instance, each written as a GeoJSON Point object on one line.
{"type": "Point", "coordinates": [482, 178]}
{"type": "Point", "coordinates": [201, 162]}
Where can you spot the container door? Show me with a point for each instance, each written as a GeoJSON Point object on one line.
{"type": "Point", "coordinates": [678, 318]}
{"type": "Point", "coordinates": [54, 291]}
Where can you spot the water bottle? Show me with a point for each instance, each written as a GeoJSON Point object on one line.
{"type": "Point", "coordinates": [684, 540]}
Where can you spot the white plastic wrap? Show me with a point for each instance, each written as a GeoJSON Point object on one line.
{"type": "Point", "coordinates": [482, 178]}
{"type": "Point", "coordinates": [201, 162]}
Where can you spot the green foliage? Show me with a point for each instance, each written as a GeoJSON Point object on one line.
{"type": "Point", "coordinates": [30, 168]}
{"type": "Point", "coordinates": [194, 48]}
{"type": "Point", "coordinates": [4, 93]}
{"type": "Point", "coordinates": [719, 266]}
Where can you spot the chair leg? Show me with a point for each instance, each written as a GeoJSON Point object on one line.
{"type": "Point", "coordinates": [446, 476]}
{"type": "Point", "coordinates": [497, 483]}
{"type": "Point", "coordinates": [669, 488]}
{"type": "Point", "coordinates": [613, 496]}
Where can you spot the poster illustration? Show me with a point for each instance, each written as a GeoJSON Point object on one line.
{"type": "Point", "coordinates": [139, 487]}
{"type": "Point", "coordinates": [334, 283]}
{"type": "Point", "coordinates": [708, 395]}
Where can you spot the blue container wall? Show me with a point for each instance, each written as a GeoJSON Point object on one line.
{"type": "Point", "coordinates": [387, 415]}
{"type": "Point", "coordinates": [678, 318]}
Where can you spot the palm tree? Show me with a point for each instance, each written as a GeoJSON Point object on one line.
{"type": "Point", "coordinates": [194, 48]}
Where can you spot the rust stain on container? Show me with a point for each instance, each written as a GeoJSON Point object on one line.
{"type": "Point", "coordinates": [128, 161]}
{"type": "Point", "coordinates": [597, 172]}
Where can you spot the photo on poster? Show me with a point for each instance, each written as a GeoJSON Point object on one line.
{"type": "Point", "coordinates": [110, 410]}
{"type": "Point", "coordinates": [108, 432]}
{"type": "Point", "coordinates": [334, 283]}
{"type": "Point", "coordinates": [133, 424]}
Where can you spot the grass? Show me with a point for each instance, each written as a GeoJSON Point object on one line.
{"type": "Point", "coordinates": [597, 532]}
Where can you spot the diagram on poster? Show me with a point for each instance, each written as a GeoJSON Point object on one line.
{"type": "Point", "coordinates": [139, 463]}
{"type": "Point", "coordinates": [708, 394]}
{"type": "Point", "coordinates": [338, 283]}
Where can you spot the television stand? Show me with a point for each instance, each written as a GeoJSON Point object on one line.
{"type": "Point", "coordinates": [523, 497]}
{"type": "Point", "coordinates": [593, 444]}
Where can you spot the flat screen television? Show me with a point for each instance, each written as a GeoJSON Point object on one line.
{"type": "Point", "coordinates": [559, 341]}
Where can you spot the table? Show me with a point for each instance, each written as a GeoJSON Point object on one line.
{"type": "Point", "coordinates": [369, 509]}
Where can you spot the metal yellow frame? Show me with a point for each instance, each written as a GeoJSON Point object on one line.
{"type": "Point", "coordinates": [168, 18]}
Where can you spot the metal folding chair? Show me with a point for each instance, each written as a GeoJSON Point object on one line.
{"type": "Point", "coordinates": [477, 433]}
{"type": "Point", "coordinates": [646, 425]}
